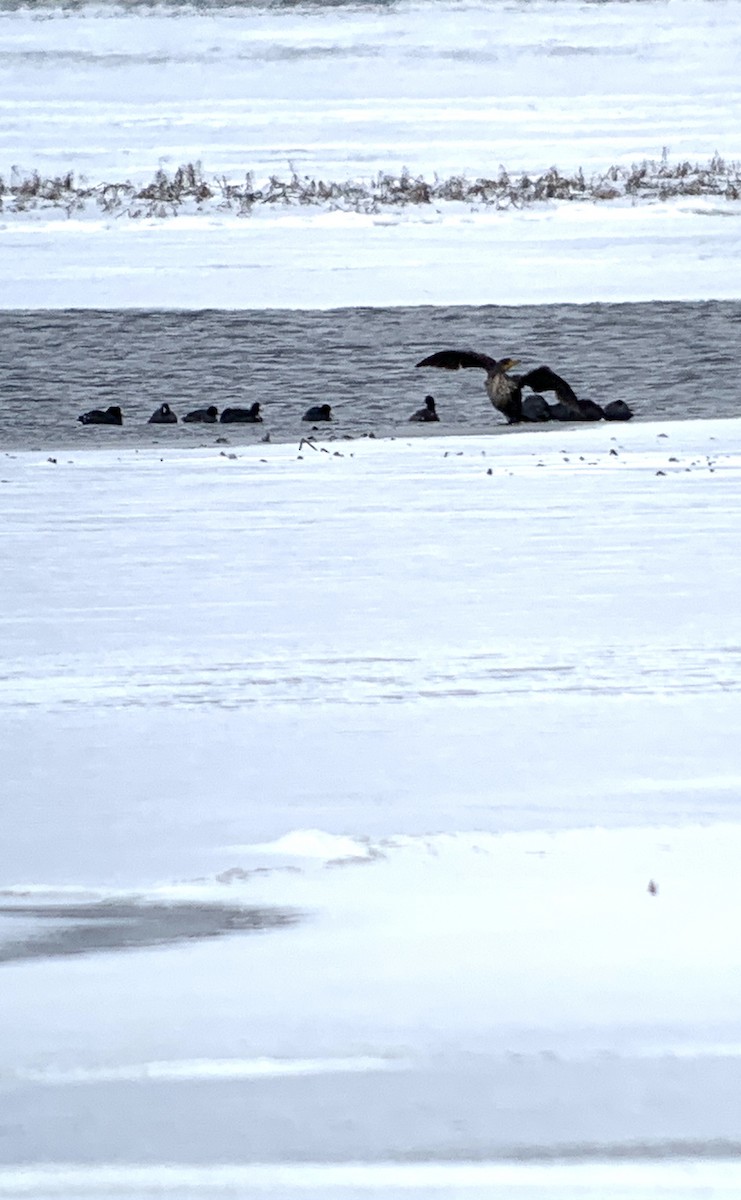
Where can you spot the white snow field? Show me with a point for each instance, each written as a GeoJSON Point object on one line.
{"type": "Point", "coordinates": [558, 253]}
{"type": "Point", "coordinates": [342, 93]}
{"type": "Point", "coordinates": [467, 711]}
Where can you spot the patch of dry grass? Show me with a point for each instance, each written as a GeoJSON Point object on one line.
{"type": "Point", "coordinates": [189, 189]}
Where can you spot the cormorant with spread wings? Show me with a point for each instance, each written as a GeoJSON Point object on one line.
{"type": "Point", "coordinates": [505, 390]}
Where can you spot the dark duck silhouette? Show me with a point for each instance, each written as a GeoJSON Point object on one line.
{"type": "Point", "coordinates": [318, 412]}
{"type": "Point", "coordinates": [207, 415]}
{"type": "Point", "coordinates": [617, 410]}
{"type": "Point", "coordinates": [163, 416]}
{"type": "Point", "coordinates": [505, 390]}
{"type": "Point", "coordinates": [535, 408]}
{"type": "Point", "coordinates": [243, 416]}
{"type": "Point", "coordinates": [428, 413]}
{"type": "Point", "coordinates": [96, 416]}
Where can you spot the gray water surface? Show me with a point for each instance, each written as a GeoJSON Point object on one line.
{"type": "Point", "coordinates": [666, 360]}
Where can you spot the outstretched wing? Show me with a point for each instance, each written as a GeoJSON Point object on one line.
{"type": "Point", "coordinates": [543, 379]}
{"type": "Point", "coordinates": [451, 360]}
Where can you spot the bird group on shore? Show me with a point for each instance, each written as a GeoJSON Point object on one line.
{"type": "Point", "coordinates": [505, 391]}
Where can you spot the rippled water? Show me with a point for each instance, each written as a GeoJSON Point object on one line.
{"type": "Point", "coordinates": [667, 360]}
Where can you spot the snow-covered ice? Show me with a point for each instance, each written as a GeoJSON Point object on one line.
{"type": "Point", "coordinates": [468, 708]}
{"type": "Point", "coordinates": [682, 250]}
{"type": "Point", "coordinates": [343, 93]}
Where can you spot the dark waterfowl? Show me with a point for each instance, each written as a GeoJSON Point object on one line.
{"type": "Point", "coordinates": [163, 416]}
{"type": "Point", "coordinates": [428, 413]}
{"type": "Point", "coordinates": [617, 410]}
{"type": "Point", "coordinates": [505, 390]}
{"type": "Point", "coordinates": [96, 416]}
{"type": "Point", "coordinates": [536, 409]}
{"type": "Point", "coordinates": [583, 410]}
{"type": "Point", "coordinates": [208, 415]}
{"type": "Point", "coordinates": [243, 416]}
{"type": "Point", "coordinates": [564, 412]}
{"type": "Point", "coordinates": [591, 411]}
{"type": "Point", "coordinates": [318, 412]}
{"type": "Point", "coordinates": [543, 379]}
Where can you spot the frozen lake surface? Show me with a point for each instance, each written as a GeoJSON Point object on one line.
{"type": "Point", "coordinates": [371, 807]}
{"type": "Point", "coordinates": [465, 712]}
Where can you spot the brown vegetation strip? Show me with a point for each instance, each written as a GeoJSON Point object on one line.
{"type": "Point", "coordinates": [190, 189]}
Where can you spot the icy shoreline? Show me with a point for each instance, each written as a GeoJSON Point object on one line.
{"type": "Point", "coordinates": [553, 253]}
